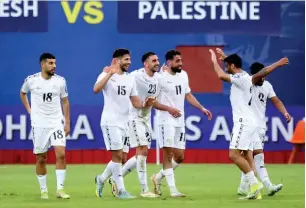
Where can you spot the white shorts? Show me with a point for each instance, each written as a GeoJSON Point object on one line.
{"type": "Point", "coordinates": [113, 137]}
{"type": "Point", "coordinates": [44, 138]}
{"type": "Point", "coordinates": [170, 136]}
{"type": "Point", "coordinates": [259, 139]}
{"type": "Point", "coordinates": [126, 145]}
{"type": "Point", "coordinates": [242, 137]}
{"type": "Point", "coordinates": [140, 134]}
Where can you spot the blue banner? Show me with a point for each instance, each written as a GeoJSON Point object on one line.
{"type": "Point", "coordinates": [23, 16]}
{"type": "Point", "coordinates": [232, 17]}
{"type": "Point", "coordinates": [15, 130]}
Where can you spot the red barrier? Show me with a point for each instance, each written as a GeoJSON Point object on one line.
{"type": "Point", "coordinates": [102, 156]}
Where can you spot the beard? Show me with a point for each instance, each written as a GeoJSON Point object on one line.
{"type": "Point", "coordinates": [124, 68]}
{"type": "Point", "coordinates": [50, 73]}
{"type": "Point", "coordinates": [176, 70]}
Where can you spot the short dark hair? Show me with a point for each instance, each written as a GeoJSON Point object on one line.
{"type": "Point", "coordinates": [146, 56]}
{"type": "Point", "coordinates": [46, 56]}
{"type": "Point", "coordinates": [256, 67]}
{"type": "Point", "coordinates": [120, 52]}
{"type": "Point", "coordinates": [171, 53]}
{"type": "Point", "coordinates": [234, 59]}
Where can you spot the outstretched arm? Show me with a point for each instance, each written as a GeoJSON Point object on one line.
{"type": "Point", "coordinates": [267, 70]}
{"type": "Point", "coordinates": [280, 106]}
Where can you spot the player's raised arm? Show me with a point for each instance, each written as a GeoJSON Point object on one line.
{"type": "Point", "coordinates": [267, 70]}
{"type": "Point", "coordinates": [195, 103]}
{"type": "Point", "coordinates": [23, 96]}
{"type": "Point", "coordinates": [220, 73]}
{"type": "Point", "coordinates": [104, 77]}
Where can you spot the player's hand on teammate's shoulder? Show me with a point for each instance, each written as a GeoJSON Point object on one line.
{"type": "Point", "coordinates": [283, 61]}
{"type": "Point", "coordinates": [208, 113]}
{"type": "Point", "coordinates": [175, 112]}
{"type": "Point", "coordinates": [67, 129]}
{"type": "Point", "coordinates": [150, 101]}
{"type": "Point", "coordinates": [288, 117]}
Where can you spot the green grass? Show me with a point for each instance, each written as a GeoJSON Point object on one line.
{"type": "Point", "coordinates": [209, 186]}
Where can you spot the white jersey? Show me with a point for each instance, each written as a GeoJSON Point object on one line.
{"type": "Point", "coordinates": [260, 94]}
{"type": "Point", "coordinates": [46, 110]}
{"type": "Point", "coordinates": [173, 89]}
{"type": "Point", "coordinates": [240, 98]}
{"type": "Point", "coordinates": [117, 93]}
{"type": "Point", "coordinates": [146, 86]}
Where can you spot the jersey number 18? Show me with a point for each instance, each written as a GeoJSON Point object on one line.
{"type": "Point", "coordinates": [47, 97]}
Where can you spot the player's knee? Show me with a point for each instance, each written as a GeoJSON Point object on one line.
{"type": "Point", "coordinates": [41, 159]}
{"type": "Point", "coordinates": [142, 150]}
{"type": "Point", "coordinates": [117, 156]}
{"type": "Point", "coordinates": [168, 154]}
{"type": "Point", "coordinates": [61, 156]}
{"type": "Point", "coordinates": [256, 152]}
{"type": "Point", "coordinates": [234, 155]}
{"type": "Point", "coordinates": [179, 158]}
{"type": "Point", "coordinates": [124, 158]}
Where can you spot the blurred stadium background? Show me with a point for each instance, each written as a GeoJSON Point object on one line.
{"type": "Point", "coordinates": [83, 34]}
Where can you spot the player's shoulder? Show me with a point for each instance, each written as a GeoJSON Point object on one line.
{"type": "Point", "coordinates": [137, 72]}
{"type": "Point", "coordinates": [267, 85]}
{"type": "Point", "coordinates": [242, 74]}
{"type": "Point", "coordinates": [59, 78]}
{"type": "Point", "coordinates": [32, 77]}
{"type": "Point", "coordinates": [183, 74]}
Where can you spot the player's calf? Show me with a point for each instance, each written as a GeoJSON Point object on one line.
{"type": "Point", "coordinates": [41, 173]}
{"type": "Point", "coordinates": [60, 171]}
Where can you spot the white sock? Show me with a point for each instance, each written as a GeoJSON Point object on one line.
{"type": "Point", "coordinates": [261, 170]}
{"type": "Point", "coordinates": [107, 172]}
{"type": "Point", "coordinates": [243, 182]}
{"type": "Point", "coordinates": [174, 164]}
{"type": "Point", "coordinates": [250, 178]}
{"type": "Point", "coordinates": [60, 178]}
{"type": "Point", "coordinates": [129, 166]}
{"type": "Point", "coordinates": [117, 176]}
{"type": "Point", "coordinates": [142, 172]}
{"type": "Point", "coordinates": [159, 176]}
{"type": "Point", "coordinates": [169, 175]}
{"type": "Point", "coordinates": [42, 180]}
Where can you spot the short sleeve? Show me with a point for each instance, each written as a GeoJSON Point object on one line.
{"type": "Point", "coordinates": [25, 88]}
{"type": "Point", "coordinates": [101, 76]}
{"type": "Point", "coordinates": [64, 89]}
{"type": "Point", "coordinates": [271, 92]}
{"type": "Point", "coordinates": [187, 87]}
{"type": "Point", "coordinates": [134, 91]}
